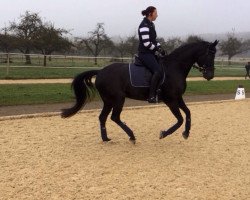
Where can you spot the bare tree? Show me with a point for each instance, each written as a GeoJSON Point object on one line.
{"type": "Point", "coordinates": [49, 39]}
{"type": "Point", "coordinates": [25, 31]}
{"type": "Point", "coordinates": [7, 41]}
{"type": "Point", "coordinates": [245, 45]}
{"type": "Point", "coordinates": [97, 41]}
{"type": "Point", "coordinates": [231, 46]}
{"type": "Point", "coordinates": [131, 45]}
{"type": "Point", "coordinates": [121, 47]}
{"type": "Point", "coordinates": [173, 43]}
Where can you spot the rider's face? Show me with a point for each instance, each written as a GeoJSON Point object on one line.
{"type": "Point", "coordinates": [154, 15]}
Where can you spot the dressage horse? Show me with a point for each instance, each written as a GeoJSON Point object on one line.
{"type": "Point", "coordinates": [113, 84]}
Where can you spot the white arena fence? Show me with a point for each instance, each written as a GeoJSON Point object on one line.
{"type": "Point", "coordinates": [8, 60]}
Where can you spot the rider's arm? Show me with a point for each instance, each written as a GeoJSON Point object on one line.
{"type": "Point", "coordinates": [146, 40]}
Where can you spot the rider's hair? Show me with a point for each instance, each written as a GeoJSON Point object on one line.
{"type": "Point", "coordinates": [149, 10]}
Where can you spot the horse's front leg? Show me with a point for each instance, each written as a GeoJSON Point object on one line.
{"type": "Point", "coordinates": [185, 109]}
{"type": "Point", "coordinates": [174, 107]}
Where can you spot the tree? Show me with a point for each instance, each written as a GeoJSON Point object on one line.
{"type": "Point", "coordinates": [131, 45]}
{"type": "Point", "coordinates": [245, 45]}
{"type": "Point", "coordinates": [97, 41]}
{"type": "Point", "coordinates": [172, 43]}
{"type": "Point", "coordinates": [231, 47]}
{"type": "Point", "coordinates": [25, 31]}
{"type": "Point", "coordinates": [49, 39]}
{"type": "Point", "coordinates": [7, 41]}
{"type": "Point", "coordinates": [121, 47]}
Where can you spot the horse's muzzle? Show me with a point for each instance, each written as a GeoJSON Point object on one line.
{"type": "Point", "coordinates": [208, 75]}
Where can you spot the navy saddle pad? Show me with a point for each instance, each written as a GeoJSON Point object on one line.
{"type": "Point", "coordinates": [140, 76]}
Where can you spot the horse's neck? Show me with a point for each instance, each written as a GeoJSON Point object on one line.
{"type": "Point", "coordinates": [188, 60]}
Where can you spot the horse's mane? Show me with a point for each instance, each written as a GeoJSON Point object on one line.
{"type": "Point", "coordinates": [185, 47]}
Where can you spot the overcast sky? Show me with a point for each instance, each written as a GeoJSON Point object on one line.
{"type": "Point", "coordinates": [122, 17]}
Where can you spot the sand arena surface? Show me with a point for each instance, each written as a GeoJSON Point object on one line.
{"type": "Point", "coordinates": [54, 158]}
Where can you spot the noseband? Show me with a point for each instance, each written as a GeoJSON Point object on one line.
{"type": "Point", "coordinates": [204, 68]}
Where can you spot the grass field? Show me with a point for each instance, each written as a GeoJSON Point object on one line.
{"type": "Point", "coordinates": [45, 72]}
{"type": "Point", "coordinates": [40, 72]}
{"type": "Point", "coordinates": [59, 93]}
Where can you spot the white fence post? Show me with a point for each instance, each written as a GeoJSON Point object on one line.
{"type": "Point", "coordinates": [8, 65]}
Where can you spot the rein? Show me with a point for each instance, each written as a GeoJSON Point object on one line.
{"type": "Point", "coordinates": [201, 69]}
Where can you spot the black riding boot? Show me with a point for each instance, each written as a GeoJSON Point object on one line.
{"type": "Point", "coordinates": [153, 87]}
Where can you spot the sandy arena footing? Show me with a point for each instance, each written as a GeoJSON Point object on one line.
{"type": "Point", "coordinates": [54, 158]}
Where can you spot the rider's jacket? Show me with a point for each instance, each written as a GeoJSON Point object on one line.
{"type": "Point", "coordinates": [147, 37]}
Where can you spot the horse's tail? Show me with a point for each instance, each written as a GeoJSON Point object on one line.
{"type": "Point", "coordinates": [83, 89]}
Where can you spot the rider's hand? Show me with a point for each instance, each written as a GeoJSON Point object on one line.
{"type": "Point", "coordinates": [158, 54]}
{"type": "Point", "coordinates": [162, 51]}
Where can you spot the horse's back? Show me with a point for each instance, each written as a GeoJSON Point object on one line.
{"type": "Point", "coordinates": [112, 72]}
{"type": "Point", "coordinates": [112, 77]}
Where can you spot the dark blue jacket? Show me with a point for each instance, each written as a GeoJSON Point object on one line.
{"type": "Point", "coordinates": [147, 37]}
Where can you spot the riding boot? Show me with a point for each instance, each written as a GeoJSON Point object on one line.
{"type": "Point", "coordinates": [153, 87]}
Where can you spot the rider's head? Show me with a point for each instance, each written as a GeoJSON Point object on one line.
{"type": "Point", "coordinates": [150, 13]}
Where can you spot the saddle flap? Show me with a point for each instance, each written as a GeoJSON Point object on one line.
{"type": "Point", "coordinates": [140, 76]}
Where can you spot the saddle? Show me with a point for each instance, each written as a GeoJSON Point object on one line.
{"type": "Point", "coordinates": [140, 75]}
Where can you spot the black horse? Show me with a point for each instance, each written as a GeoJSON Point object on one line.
{"type": "Point", "coordinates": [113, 84]}
{"type": "Point", "coordinates": [247, 70]}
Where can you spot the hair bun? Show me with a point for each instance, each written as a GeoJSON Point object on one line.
{"type": "Point", "coordinates": [148, 11]}
{"type": "Point", "coordinates": [144, 12]}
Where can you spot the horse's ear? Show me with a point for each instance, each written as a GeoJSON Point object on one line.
{"type": "Point", "coordinates": [215, 43]}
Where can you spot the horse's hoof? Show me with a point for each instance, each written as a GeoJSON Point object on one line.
{"type": "Point", "coordinates": [132, 140]}
{"type": "Point", "coordinates": [185, 135]}
{"type": "Point", "coordinates": [161, 135]}
{"type": "Point", "coordinates": [106, 140]}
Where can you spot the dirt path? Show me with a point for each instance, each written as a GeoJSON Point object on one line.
{"type": "Point", "coordinates": [34, 81]}
{"type": "Point", "coordinates": [52, 158]}
{"type": "Point", "coordinates": [31, 109]}
{"type": "Point", "coordinates": [31, 81]}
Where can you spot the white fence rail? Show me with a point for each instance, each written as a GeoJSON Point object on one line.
{"type": "Point", "coordinates": [8, 60]}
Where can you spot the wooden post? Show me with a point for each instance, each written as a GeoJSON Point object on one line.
{"type": "Point", "coordinates": [8, 65]}
{"type": "Point", "coordinates": [38, 59]}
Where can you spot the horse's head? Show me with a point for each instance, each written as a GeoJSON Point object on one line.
{"type": "Point", "coordinates": [206, 60]}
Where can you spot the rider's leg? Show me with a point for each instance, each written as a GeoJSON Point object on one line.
{"type": "Point", "coordinates": [151, 63]}
{"type": "Point", "coordinates": [153, 87]}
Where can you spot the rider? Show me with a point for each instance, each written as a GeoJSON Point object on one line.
{"type": "Point", "coordinates": [149, 49]}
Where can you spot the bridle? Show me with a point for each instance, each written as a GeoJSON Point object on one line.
{"type": "Point", "coordinates": [204, 67]}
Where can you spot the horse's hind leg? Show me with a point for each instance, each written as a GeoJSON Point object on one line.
{"type": "Point", "coordinates": [103, 118]}
{"type": "Point", "coordinates": [185, 109]}
{"type": "Point", "coordinates": [174, 107]}
{"type": "Point", "coordinates": [117, 109]}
